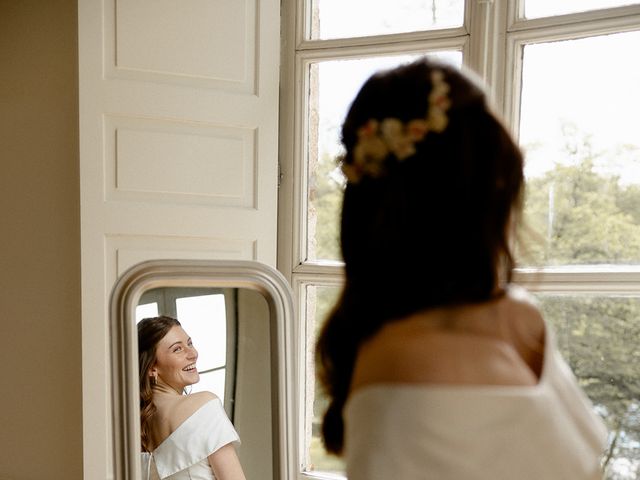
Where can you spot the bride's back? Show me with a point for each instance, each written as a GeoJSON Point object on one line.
{"type": "Point", "coordinates": [494, 343]}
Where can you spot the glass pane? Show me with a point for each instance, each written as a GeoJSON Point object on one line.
{"type": "Point", "coordinates": [147, 310]}
{"type": "Point", "coordinates": [319, 301]}
{"type": "Point", "coordinates": [546, 8]}
{"type": "Point", "coordinates": [204, 318]}
{"type": "Point", "coordinates": [579, 129]}
{"type": "Point", "coordinates": [211, 382]}
{"type": "Point", "coordinates": [334, 84]}
{"type": "Point", "coordinates": [599, 338]}
{"type": "Point", "coordinates": [360, 18]}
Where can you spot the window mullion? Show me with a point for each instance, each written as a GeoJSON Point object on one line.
{"type": "Point", "coordinates": [288, 130]}
{"type": "Point", "coordinates": [386, 39]}
{"type": "Point", "coordinates": [617, 18]}
{"type": "Point", "coordinates": [487, 24]}
{"type": "Point", "coordinates": [583, 281]}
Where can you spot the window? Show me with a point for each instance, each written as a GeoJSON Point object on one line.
{"type": "Point", "coordinates": [565, 76]}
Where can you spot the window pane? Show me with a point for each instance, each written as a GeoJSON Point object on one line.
{"type": "Point", "coordinates": [546, 8]}
{"type": "Point", "coordinates": [211, 382]}
{"type": "Point", "coordinates": [319, 301]}
{"type": "Point", "coordinates": [579, 129]}
{"type": "Point", "coordinates": [599, 338]}
{"type": "Point", "coordinates": [334, 84]}
{"type": "Point", "coordinates": [359, 18]}
{"type": "Point", "coordinates": [204, 319]}
{"type": "Point", "coordinates": [147, 310]}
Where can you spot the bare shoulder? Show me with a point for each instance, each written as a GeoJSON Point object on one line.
{"type": "Point", "coordinates": [523, 299]}
{"type": "Point", "coordinates": [458, 346]}
{"type": "Point", "coordinates": [440, 358]}
{"type": "Point", "coordinates": [187, 406]}
{"type": "Point", "coordinates": [523, 313]}
{"type": "Point", "coordinates": [193, 402]}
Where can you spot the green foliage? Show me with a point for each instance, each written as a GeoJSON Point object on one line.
{"type": "Point", "coordinates": [599, 338]}
{"type": "Point", "coordinates": [319, 459]}
{"type": "Point", "coordinates": [584, 216]}
{"type": "Point", "coordinates": [325, 196]}
{"type": "Point", "coordinates": [628, 201]}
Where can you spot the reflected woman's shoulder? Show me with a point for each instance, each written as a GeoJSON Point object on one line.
{"type": "Point", "coordinates": [198, 399]}
{"type": "Point", "coordinates": [190, 404]}
{"type": "Point", "coordinates": [204, 396]}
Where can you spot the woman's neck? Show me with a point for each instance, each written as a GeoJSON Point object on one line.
{"type": "Point", "coordinates": [163, 389]}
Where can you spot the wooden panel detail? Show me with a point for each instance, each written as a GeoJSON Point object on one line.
{"type": "Point", "coordinates": [180, 162]}
{"type": "Point", "coordinates": [125, 251]}
{"type": "Point", "coordinates": [199, 42]}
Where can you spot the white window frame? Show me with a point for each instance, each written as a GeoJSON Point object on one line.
{"type": "Point", "coordinates": [492, 40]}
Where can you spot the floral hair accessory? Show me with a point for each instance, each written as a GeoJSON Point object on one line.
{"type": "Point", "coordinates": [390, 136]}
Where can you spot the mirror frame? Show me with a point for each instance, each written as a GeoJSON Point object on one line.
{"type": "Point", "coordinates": [125, 411]}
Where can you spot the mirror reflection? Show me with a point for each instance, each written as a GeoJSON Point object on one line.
{"type": "Point", "coordinates": [240, 316]}
{"type": "Point", "coordinates": [210, 317]}
{"type": "Point", "coordinates": [229, 328]}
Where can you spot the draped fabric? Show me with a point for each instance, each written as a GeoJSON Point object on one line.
{"type": "Point", "coordinates": [414, 431]}
{"type": "Point", "coordinates": [184, 454]}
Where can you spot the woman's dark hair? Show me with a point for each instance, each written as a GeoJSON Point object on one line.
{"type": "Point", "coordinates": [150, 332]}
{"type": "Point", "coordinates": [432, 230]}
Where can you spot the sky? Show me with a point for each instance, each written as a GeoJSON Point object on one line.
{"type": "Point", "coordinates": [591, 83]}
{"type": "Point", "coordinates": [353, 18]}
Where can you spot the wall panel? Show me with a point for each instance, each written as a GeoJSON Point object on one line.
{"type": "Point", "coordinates": [182, 162]}
{"type": "Point", "coordinates": [201, 42]}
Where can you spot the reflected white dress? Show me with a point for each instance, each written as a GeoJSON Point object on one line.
{"type": "Point", "coordinates": [184, 454]}
{"type": "Point", "coordinates": [544, 432]}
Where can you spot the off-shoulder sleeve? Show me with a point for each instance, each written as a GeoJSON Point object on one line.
{"type": "Point", "coordinates": [200, 435]}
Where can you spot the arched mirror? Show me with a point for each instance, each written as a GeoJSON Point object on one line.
{"type": "Point", "coordinates": [240, 316]}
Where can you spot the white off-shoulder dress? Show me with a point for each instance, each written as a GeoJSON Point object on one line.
{"type": "Point", "coordinates": [409, 432]}
{"type": "Point", "coordinates": [184, 454]}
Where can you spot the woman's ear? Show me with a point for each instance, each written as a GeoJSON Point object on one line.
{"type": "Point", "coordinates": [153, 373]}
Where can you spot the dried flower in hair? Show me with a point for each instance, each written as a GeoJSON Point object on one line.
{"type": "Point", "coordinates": [370, 151]}
{"type": "Point", "coordinates": [439, 102]}
{"type": "Point", "coordinates": [395, 135]}
{"type": "Point", "coordinates": [378, 140]}
{"type": "Point", "coordinates": [417, 129]}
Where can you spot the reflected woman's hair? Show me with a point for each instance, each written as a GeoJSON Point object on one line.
{"type": "Point", "coordinates": [150, 332]}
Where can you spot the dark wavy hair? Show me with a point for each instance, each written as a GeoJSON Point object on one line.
{"type": "Point", "coordinates": [150, 332]}
{"type": "Point", "coordinates": [432, 231]}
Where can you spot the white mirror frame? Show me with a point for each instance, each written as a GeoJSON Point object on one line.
{"type": "Point", "coordinates": [124, 351]}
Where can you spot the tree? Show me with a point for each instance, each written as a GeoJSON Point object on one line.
{"type": "Point", "coordinates": [586, 216]}
{"type": "Point", "coordinates": [325, 199]}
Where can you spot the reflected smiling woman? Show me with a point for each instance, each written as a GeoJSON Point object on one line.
{"type": "Point", "coordinates": [182, 436]}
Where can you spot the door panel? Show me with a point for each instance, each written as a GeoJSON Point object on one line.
{"type": "Point", "coordinates": [178, 154]}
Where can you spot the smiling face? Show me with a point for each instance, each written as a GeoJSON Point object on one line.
{"type": "Point", "coordinates": [176, 360]}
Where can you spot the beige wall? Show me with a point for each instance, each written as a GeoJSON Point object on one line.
{"type": "Point", "coordinates": [40, 334]}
